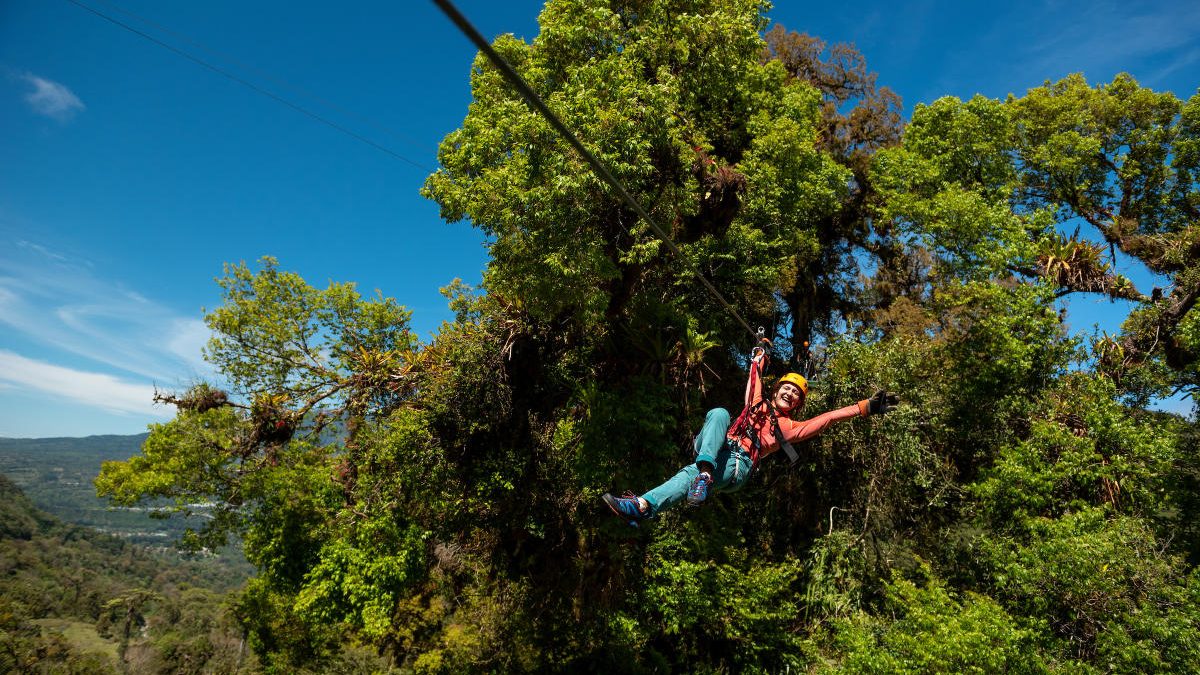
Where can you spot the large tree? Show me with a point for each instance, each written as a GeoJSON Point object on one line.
{"type": "Point", "coordinates": [858, 118]}
{"type": "Point", "coordinates": [1006, 187]}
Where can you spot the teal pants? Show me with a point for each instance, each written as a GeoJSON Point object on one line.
{"type": "Point", "coordinates": [731, 464]}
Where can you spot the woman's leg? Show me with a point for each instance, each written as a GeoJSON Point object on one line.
{"type": "Point", "coordinates": [731, 471]}
{"type": "Point", "coordinates": [732, 468]}
{"type": "Point", "coordinates": [672, 491]}
{"type": "Point", "coordinates": [708, 444]}
{"type": "Point", "coordinates": [711, 438]}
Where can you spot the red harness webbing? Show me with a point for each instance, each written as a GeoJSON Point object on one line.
{"type": "Point", "coordinates": [742, 427]}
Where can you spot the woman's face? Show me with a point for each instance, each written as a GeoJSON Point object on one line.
{"type": "Point", "coordinates": [787, 397]}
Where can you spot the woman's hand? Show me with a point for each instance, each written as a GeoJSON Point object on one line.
{"type": "Point", "coordinates": [882, 402]}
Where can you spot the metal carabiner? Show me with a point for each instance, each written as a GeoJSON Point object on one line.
{"type": "Point", "coordinates": [759, 349]}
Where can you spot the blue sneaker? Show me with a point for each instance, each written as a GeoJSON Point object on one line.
{"type": "Point", "coordinates": [626, 507]}
{"type": "Point", "coordinates": [700, 487]}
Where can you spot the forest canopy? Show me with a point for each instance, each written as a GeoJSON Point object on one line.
{"type": "Point", "coordinates": [1025, 509]}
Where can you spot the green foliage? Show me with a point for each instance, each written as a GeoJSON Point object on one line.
{"type": "Point", "coordinates": [744, 611]}
{"type": "Point", "coordinates": [791, 184]}
{"type": "Point", "coordinates": [929, 629]}
{"type": "Point", "coordinates": [434, 507]}
{"type": "Point", "coordinates": [162, 470]}
{"type": "Point", "coordinates": [835, 570]}
{"type": "Point", "coordinates": [77, 601]}
{"type": "Point", "coordinates": [634, 420]}
{"type": "Point", "coordinates": [951, 183]}
{"type": "Point", "coordinates": [1076, 135]}
{"type": "Point", "coordinates": [361, 584]}
{"type": "Point", "coordinates": [1184, 493]}
{"type": "Point", "coordinates": [277, 335]}
{"type": "Point", "coordinates": [1073, 506]}
{"type": "Point", "coordinates": [873, 478]}
{"type": "Point", "coordinates": [281, 640]}
{"type": "Point", "coordinates": [57, 475]}
{"type": "Point", "coordinates": [287, 530]}
{"type": "Point", "coordinates": [676, 102]}
{"type": "Point", "coordinates": [1001, 340]}
{"type": "Point", "coordinates": [18, 516]}
{"type": "Point", "coordinates": [1083, 448]}
{"type": "Point", "coordinates": [1100, 590]}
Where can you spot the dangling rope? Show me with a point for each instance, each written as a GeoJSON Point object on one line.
{"type": "Point", "coordinates": [533, 100]}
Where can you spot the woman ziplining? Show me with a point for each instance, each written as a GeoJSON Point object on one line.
{"type": "Point", "coordinates": [727, 454]}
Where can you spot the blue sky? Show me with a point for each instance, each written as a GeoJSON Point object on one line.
{"type": "Point", "coordinates": [131, 174]}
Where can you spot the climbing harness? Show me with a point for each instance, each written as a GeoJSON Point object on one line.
{"type": "Point", "coordinates": [743, 425]}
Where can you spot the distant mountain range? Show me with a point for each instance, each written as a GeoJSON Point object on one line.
{"type": "Point", "coordinates": [57, 473]}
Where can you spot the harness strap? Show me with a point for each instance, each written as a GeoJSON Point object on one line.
{"type": "Point", "coordinates": [783, 442]}
{"type": "Point", "coordinates": [736, 452]}
{"type": "Point", "coordinates": [742, 427]}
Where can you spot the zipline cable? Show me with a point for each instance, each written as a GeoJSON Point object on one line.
{"type": "Point", "coordinates": [535, 101]}
{"type": "Point", "coordinates": [250, 85]}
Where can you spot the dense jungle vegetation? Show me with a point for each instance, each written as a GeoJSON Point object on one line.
{"type": "Point", "coordinates": [73, 600]}
{"type": "Point", "coordinates": [434, 507]}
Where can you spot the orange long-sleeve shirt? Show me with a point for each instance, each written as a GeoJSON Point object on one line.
{"type": "Point", "coordinates": [759, 422]}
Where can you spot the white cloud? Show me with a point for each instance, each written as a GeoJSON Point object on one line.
{"type": "Point", "coordinates": [52, 99]}
{"type": "Point", "coordinates": [93, 389]}
{"type": "Point", "coordinates": [1183, 60]}
{"type": "Point", "coordinates": [1029, 43]}
{"type": "Point", "coordinates": [60, 304]}
{"type": "Point", "coordinates": [185, 340]}
{"type": "Point", "coordinates": [7, 298]}
{"type": "Point", "coordinates": [80, 353]}
{"type": "Point", "coordinates": [42, 250]}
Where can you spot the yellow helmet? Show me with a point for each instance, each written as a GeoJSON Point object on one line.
{"type": "Point", "coordinates": [796, 379]}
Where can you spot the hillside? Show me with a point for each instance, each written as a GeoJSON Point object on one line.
{"type": "Point", "coordinates": [57, 475]}
{"type": "Point", "coordinates": [76, 600]}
